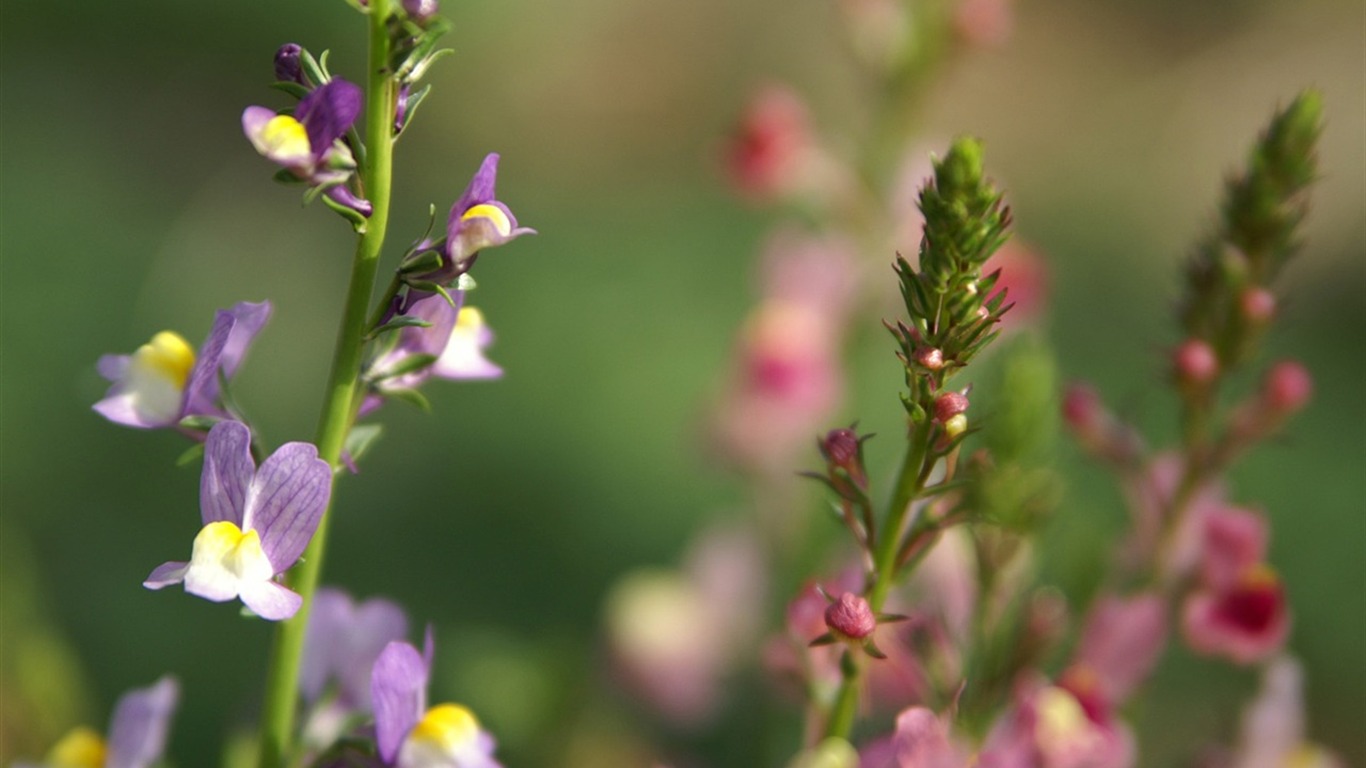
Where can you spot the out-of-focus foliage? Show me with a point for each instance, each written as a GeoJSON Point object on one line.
{"type": "Point", "coordinates": [131, 203]}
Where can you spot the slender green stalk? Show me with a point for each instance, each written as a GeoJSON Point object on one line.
{"type": "Point", "coordinates": [282, 681]}
{"type": "Point", "coordinates": [910, 484]}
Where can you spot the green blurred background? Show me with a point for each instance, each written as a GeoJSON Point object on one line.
{"type": "Point", "coordinates": [131, 203]}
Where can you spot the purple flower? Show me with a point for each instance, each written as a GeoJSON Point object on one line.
{"type": "Point", "coordinates": [456, 337]}
{"type": "Point", "coordinates": [256, 523]}
{"type": "Point", "coordinates": [477, 221]}
{"type": "Point", "coordinates": [137, 732]}
{"type": "Point", "coordinates": [165, 380]}
{"type": "Point", "coordinates": [342, 642]}
{"type": "Point", "coordinates": [407, 733]}
{"type": "Point", "coordinates": [308, 142]}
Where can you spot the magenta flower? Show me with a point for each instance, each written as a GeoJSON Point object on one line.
{"type": "Point", "coordinates": [256, 523]}
{"type": "Point", "coordinates": [1239, 610]}
{"type": "Point", "coordinates": [165, 380]}
{"type": "Point", "coordinates": [1245, 620]}
{"type": "Point", "coordinates": [410, 735]}
{"type": "Point", "coordinates": [137, 732]}
{"type": "Point", "coordinates": [921, 740]}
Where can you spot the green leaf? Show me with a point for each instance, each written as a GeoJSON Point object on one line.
{"type": "Point", "coordinates": [360, 440]}
{"type": "Point", "coordinates": [198, 423]}
{"type": "Point", "coordinates": [399, 321]}
{"type": "Point", "coordinates": [409, 364]}
{"type": "Point", "coordinates": [293, 89]}
{"type": "Point", "coordinates": [410, 396]}
{"type": "Point", "coordinates": [358, 220]}
{"type": "Point", "coordinates": [191, 454]}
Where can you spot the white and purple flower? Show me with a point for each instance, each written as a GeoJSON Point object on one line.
{"type": "Point", "coordinates": [256, 523]}
{"type": "Point", "coordinates": [137, 733]}
{"type": "Point", "coordinates": [410, 735]}
{"type": "Point", "coordinates": [165, 380]}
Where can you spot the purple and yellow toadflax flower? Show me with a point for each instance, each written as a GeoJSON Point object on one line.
{"type": "Point", "coordinates": [137, 733]}
{"type": "Point", "coordinates": [476, 221]}
{"type": "Point", "coordinates": [309, 143]}
{"type": "Point", "coordinates": [165, 380]}
{"type": "Point", "coordinates": [456, 338]}
{"type": "Point", "coordinates": [256, 523]}
{"type": "Point", "coordinates": [407, 733]}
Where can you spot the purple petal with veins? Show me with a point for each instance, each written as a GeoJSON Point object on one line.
{"type": "Point", "coordinates": [286, 500]}
{"type": "Point", "coordinates": [227, 473]}
{"type": "Point", "coordinates": [166, 574]}
{"type": "Point", "coordinates": [251, 317]}
{"type": "Point", "coordinates": [480, 190]}
{"type": "Point", "coordinates": [398, 690]}
{"type": "Point", "coordinates": [327, 113]}
{"type": "Point", "coordinates": [140, 724]}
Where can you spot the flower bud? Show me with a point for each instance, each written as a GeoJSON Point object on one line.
{"type": "Point", "coordinates": [1287, 387]}
{"type": "Point", "coordinates": [288, 67]}
{"type": "Point", "coordinates": [850, 616]}
{"type": "Point", "coordinates": [420, 10]}
{"type": "Point", "coordinates": [1258, 305]}
{"type": "Point", "coordinates": [949, 405]}
{"type": "Point", "coordinates": [1195, 362]}
{"type": "Point", "coordinates": [1082, 409]}
{"type": "Point", "coordinates": [841, 448]}
{"type": "Point", "coordinates": [930, 358]}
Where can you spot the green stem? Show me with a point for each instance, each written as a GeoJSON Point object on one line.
{"type": "Point", "coordinates": [282, 681]}
{"type": "Point", "coordinates": [910, 484]}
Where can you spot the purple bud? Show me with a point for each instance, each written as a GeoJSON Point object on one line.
{"type": "Point", "coordinates": [851, 616]}
{"type": "Point", "coordinates": [287, 66]}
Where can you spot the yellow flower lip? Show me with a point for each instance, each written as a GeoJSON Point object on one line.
{"type": "Point", "coordinates": [81, 748]}
{"type": "Point", "coordinates": [501, 223]}
{"type": "Point", "coordinates": [447, 726]}
{"type": "Point", "coordinates": [239, 552]}
{"type": "Point", "coordinates": [169, 355]}
{"type": "Point", "coordinates": [285, 139]}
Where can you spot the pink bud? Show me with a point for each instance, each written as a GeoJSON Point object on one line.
{"type": "Point", "coordinates": [841, 447]}
{"type": "Point", "coordinates": [948, 405]}
{"type": "Point", "coordinates": [1082, 408]}
{"type": "Point", "coordinates": [1258, 305]}
{"type": "Point", "coordinates": [930, 358]}
{"type": "Point", "coordinates": [766, 155]}
{"type": "Point", "coordinates": [1287, 387]}
{"type": "Point", "coordinates": [1195, 362]}
{"type": "Point", "coordinates": [851, 616]}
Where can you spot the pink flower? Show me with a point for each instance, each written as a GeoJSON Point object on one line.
{"type": "Point", "coordinates": [1245, 621]}
{"type": "Point", "coordinates": [772, 147]}
{"type": "Point", "coordinates": [1050, 726]}
{"type": "Point", "coordinates": [1122, 642]}
{"type": "Point", "coordinates": [786, 380]}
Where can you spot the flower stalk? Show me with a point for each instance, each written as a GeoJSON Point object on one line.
{"type": "Point", "coordinates": [282, 681]}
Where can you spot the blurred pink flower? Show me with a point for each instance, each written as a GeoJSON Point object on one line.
{"type": "Point", "coordinates": [772, 150]}
{"type": "Point", "coordinates": [1122, 642]}
{"type": "Point", "coordinates": [1273, 729]}
{"type": "Point", "coordinates": [1245, 621]}
{"type": "Point", "coordinates": [1051, 727]}
{"type": "Point", "coordinates": [787, 380]}
{"type": "Point", "coordinates": [983, 22]}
